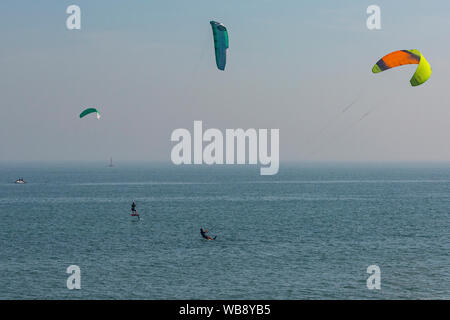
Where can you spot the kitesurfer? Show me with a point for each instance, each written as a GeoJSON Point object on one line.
{"type": "Point", "coordinates": [204, 234]}
{"type": "Point", "coordinates": [134, 212]}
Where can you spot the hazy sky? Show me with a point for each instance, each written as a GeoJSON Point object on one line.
{"type": "Point", "coordinates": [149, 67]}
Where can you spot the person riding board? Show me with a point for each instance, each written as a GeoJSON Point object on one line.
{"type": "Point", "coordinates": [133, 210]}
{"type": "Point", "coordinates": [204, 234]}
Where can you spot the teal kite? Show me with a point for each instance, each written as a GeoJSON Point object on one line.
{"type": "Point", "coordinates": [220, 35]}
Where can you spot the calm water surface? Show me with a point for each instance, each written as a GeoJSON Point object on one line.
{"type": "Point", "coordinates": [309, 232]}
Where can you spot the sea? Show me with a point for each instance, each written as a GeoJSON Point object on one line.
{"type": "Point", "coordinates": [309, 232]}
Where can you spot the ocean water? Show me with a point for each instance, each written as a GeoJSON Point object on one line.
{"type": "Point", "coordinates": [309, 232]}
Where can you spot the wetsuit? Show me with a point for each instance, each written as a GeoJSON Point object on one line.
{"type": "Point", "coordinates": [204, 234]}
{"type": "Point", "coordinates": [133, 207]}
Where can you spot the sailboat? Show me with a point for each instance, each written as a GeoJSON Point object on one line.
{"type": "Point", "coordinates": [111, 163]}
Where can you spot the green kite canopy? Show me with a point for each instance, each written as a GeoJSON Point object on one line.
{"type": "Point", "coordinates": [89, 111]}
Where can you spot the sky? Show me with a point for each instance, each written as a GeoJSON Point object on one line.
{"type": "Point", "coordinates": [149, 67]}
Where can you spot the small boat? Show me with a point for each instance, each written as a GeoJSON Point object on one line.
{"type": "Point", "coordinates": [20, 181]}
{"type": "Point", "coordinates": [110, 163]}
